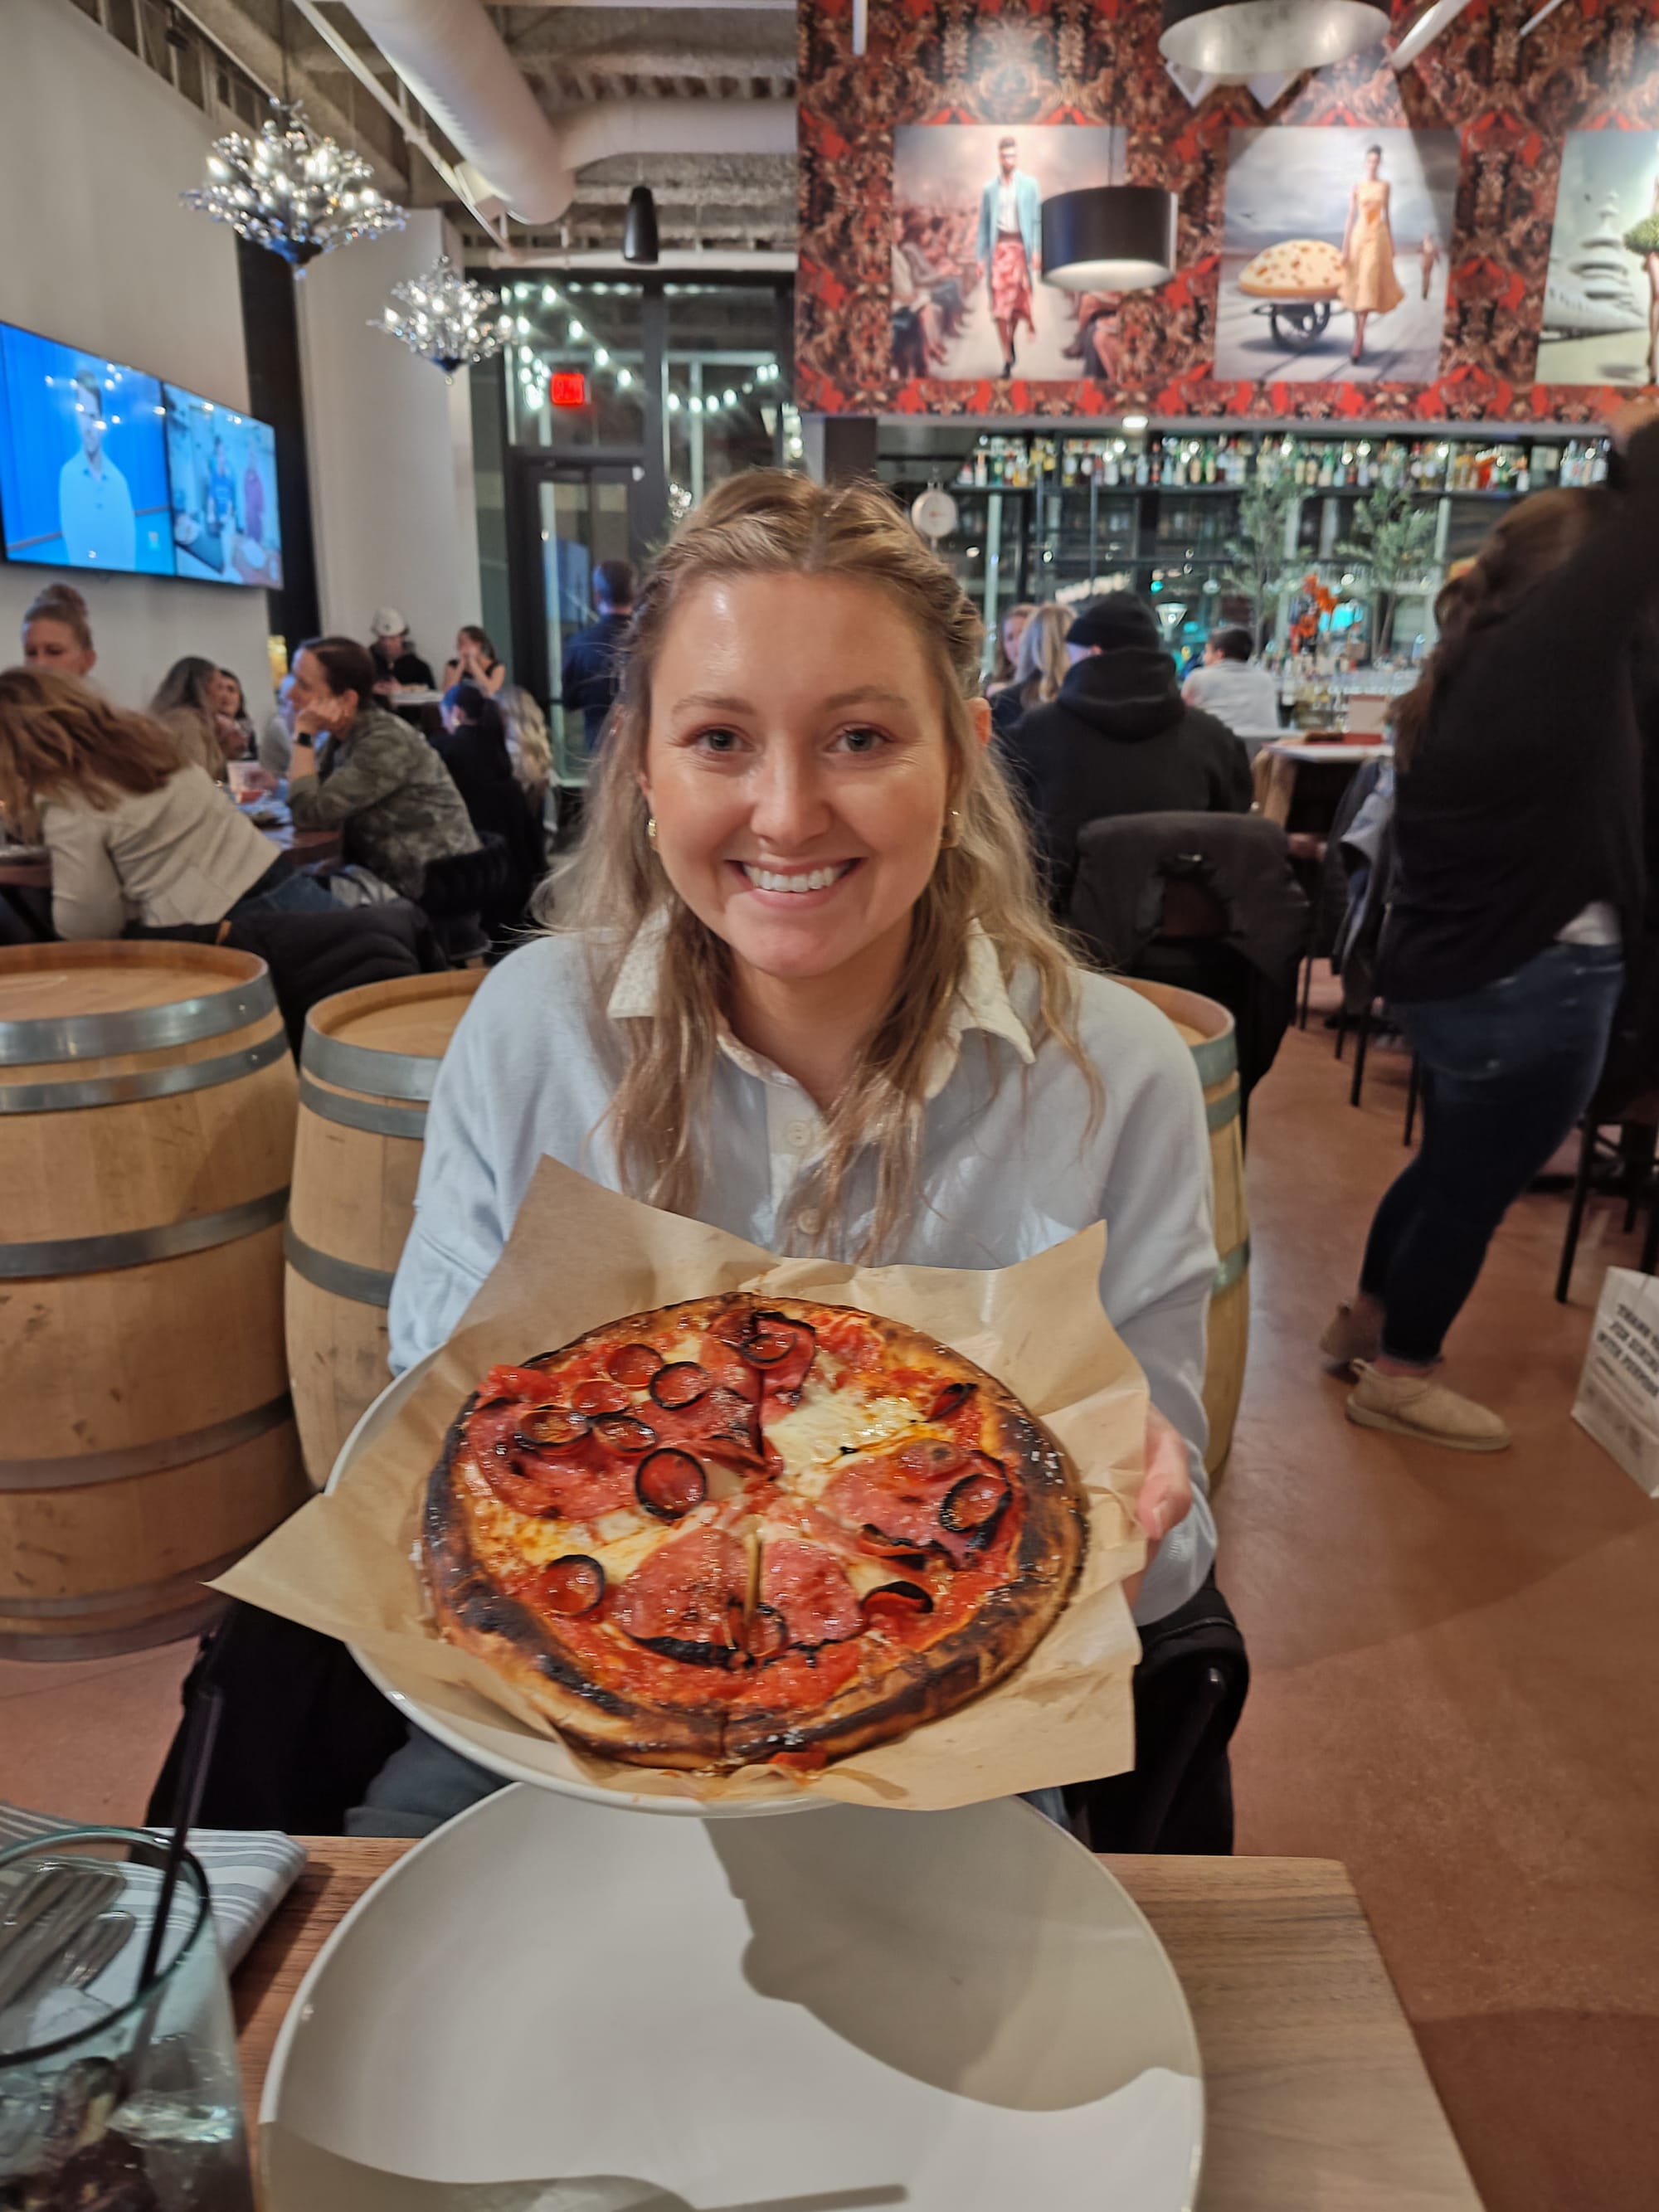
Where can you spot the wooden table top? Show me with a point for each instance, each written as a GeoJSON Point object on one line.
{"type": "Point", "coordinates": [1317, 2099]}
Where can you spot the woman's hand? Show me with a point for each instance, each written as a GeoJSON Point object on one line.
{"type": "Point", "coordinates": [1166, 1490]}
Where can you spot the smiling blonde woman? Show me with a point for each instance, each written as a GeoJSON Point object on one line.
{"type": "Point", "coordinates": [811, 994]}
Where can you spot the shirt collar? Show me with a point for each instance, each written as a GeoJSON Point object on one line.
{"type": "Point", "coordinates": [982, 1002]}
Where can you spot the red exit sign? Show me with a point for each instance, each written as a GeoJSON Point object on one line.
{"type": "Point", "coordinates": [568, 387]}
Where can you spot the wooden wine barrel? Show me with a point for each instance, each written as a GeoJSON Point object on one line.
{"type": "Point", "coordinates": [366, 1068]}
{"type": "Point", "coordinates": [147, 1106]}
{"type": "Point", "coordinates": [1208, 1029]}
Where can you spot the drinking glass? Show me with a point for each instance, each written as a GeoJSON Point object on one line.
{"type": "Point", "coordinates": [108, 2096]}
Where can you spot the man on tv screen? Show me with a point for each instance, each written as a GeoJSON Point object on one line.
{"type": "Point", "coordinates": [94, 507]}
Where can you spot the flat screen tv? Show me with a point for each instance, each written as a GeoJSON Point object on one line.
{"type": "Point", "coordinates": [83, 468]}
{"type": "Point", "coordinates": [223, 469]}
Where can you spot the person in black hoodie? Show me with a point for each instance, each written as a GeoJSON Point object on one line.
{"type": "Point", "coordinates": [1518, 890]}
{"type": "Point", "coordinates": [473, 748]}
{"type": "Point", "coordinates": [1119, 739]}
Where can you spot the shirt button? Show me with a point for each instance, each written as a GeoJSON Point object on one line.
{"type": "Point", "coordinates": [810, 1221]}
{"type": "Point", "coordinates": [798, 1134]}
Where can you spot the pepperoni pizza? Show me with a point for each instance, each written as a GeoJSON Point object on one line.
{"type": "Point", "coordinates": [735, 1530]}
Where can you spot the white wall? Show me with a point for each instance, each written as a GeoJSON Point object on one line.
{"type": "Point", "coordinates": [391, 447]}
{"type": "Point", "coordinates": [95, 151]}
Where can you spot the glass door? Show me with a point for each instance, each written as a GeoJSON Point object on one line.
{"type": "Point", "coordinates": [575, 514]}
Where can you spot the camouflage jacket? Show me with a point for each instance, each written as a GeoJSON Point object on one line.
{"type": "Point", "coordinates": [385, 789]}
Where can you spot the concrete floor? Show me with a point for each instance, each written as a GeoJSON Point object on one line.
{"type": "Point", "coordinates": [1457, 1674]}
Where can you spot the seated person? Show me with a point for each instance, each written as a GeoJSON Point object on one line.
{"type": "Point", "coordinates": [57, 632]}
{"type": "Point", "coordinates": [397, 666]}
{"type": "Point", "coordinates": [276, 739]}
{"type": "Point", "coordinates": [473, 748]}
{"type": "Point", "coordinates": [1118, 738]}
{"type": "Point", "coordinates": [188, 704]}
{"type": "Point", "coordinates": [475, 662]}
{"type": "Point", "coordinates": [1244, 697]}
{"type": "Point", "coordinates": [134, 835]}
{"type": "Point", "coordinates": [686, 1012]}
{"type": "Point", "coordinates": [1041, 666]}
{"type": "Point", "coordinates": [378, 781]}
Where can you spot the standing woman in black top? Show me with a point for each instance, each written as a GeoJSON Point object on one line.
{"type": "Point", "coordinates": [1519, 879]}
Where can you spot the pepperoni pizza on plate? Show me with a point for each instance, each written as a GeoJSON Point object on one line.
{"type": "Point", "coordinates": [740, 1529]}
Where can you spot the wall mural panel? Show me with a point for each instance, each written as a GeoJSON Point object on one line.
{"type": "Point", "coordinates": [1476, 136]}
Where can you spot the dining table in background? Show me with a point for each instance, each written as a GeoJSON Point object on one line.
{"type": "Point", "coordinates": [1299, 782]}
{"type": "Point", "coordinates": [26, 870]}
{"type": "Point", "coordinates": [1316, 2097]}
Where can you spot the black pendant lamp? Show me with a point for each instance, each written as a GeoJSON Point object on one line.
{"type": "Point", "coordinates": [1251, 38]}
{"type": "Point", "coordinates": [639, 228]}
{"type": "Point", "coordinates": [1110, 238]}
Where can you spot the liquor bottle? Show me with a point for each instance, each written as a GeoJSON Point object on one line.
{"type": "Point", "coordinates": [982, 475]}
{"type": "Point", "coordinates": [1327, 468]}
{"type": "Point", "coordinates": [1143, 473]}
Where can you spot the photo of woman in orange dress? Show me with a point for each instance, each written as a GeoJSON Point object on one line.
{"type": "Point", "coordinates": [1370, 286]}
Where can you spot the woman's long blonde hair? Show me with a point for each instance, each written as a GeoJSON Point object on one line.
{"type": "Point", "coordinates": [767, 522]}
{"type": "Point", "coordinates": [57, 736]}
{"type": "Point", "coordinates": [1042, 667]}
{"type": "Point", "coordinates": [533, 753]}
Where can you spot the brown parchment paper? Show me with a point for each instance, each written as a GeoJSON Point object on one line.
{"type": "Point", "coordinates": [581, 1256]}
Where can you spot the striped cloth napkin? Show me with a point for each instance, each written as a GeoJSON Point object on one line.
{"type": "Point", "coordinates": [249, 1871]}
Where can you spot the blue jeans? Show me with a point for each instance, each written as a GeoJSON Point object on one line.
{"type": "Point", "coordinates": [1506, 1073]}
{"type": "Point", "coordinates": [295, 893]}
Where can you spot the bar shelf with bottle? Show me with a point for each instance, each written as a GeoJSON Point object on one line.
{"type": "Point", "coordinates": [1064, 514]}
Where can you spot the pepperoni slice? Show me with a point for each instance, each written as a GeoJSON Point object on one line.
{"type": "Point", "coordinates": [894, 1603]}
{"type": "Point", "coordinates": [576, 1481]}
{"type": "Point", "coordinates": [783, 1349]}
{"type": "Point", "coordinates": [973, 1506]}
{"type": "Point", "coordinates": [516, 1383]}
{"type": "Point", "coordinates": [687, 1601]}
{"type": "Point", "coordinates": [633, 1364]}
{"type": "Point", "coordinates": [680, 1384]}
{"type": "Point", "coordinates": [670, 1483]}
{"type": "Point", "coordinates": [930, 1456]}
{"type": "Point", "coordinates": [600, 1397]}
{"type": "Point", "coordinates": [572, 1585]}
{"type": "Point", "coordinates": [552, 1427]}
{"type": "Point", "coordinates": [623, 1434]}
{"type": "Point", "coordinates": [951, 1400]}
{"type": "Point", "coordinates": [807, 1586]}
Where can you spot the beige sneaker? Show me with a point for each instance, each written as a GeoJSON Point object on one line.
{"type": "Point", "coordinates": [1414, 1405]}
{"type": "Point", "coordinates": [1348, 1339]}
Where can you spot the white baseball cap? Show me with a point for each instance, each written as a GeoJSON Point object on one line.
{"type": "Point", "coordinates": [387, 623]}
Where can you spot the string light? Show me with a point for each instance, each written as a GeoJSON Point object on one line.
{"type": "Point", "coordinates": [446, 319]}
{"type": "Point", "coordinates": [291, 191]}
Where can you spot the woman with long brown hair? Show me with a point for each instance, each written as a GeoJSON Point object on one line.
{"type": "Point", "coordinates": [1519, 878]}
{"type": "Point", "coordinates": [812, 993]}
{"type": "Point", "coordinates": [189, 703]}
{"type": "Point", "coordinates": [133, 836]}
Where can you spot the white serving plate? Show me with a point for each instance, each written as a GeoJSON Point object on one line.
{"type": "Point", "coordinates": [489, 1734]}
{"type": "Point", "coordinates": [550, 2004]}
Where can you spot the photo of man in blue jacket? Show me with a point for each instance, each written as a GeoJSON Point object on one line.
{"type": "Point", "coordinates": [1010, 246]}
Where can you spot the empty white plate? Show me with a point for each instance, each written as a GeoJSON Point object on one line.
{"type": "Point", "coordinates": [552, 2005]}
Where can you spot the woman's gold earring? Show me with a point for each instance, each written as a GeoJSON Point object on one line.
{"type": "Point", "coordinates": [952, 834]}
{"type": "Point", "coordinates": [651, 831]}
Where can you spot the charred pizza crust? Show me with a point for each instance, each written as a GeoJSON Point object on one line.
{"type": "Point", "coordinates": [766, 1708]}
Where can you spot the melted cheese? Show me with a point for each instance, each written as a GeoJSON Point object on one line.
{"type": "Point", "coordinates": [815, 1437]}
{"type": "Point", "coordinates": [617, 1541]}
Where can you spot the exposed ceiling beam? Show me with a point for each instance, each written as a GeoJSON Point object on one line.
{"type": "Point", "coordinates": [1426, 27]}
{"type": "Point", "coordinates": [342, 46]}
